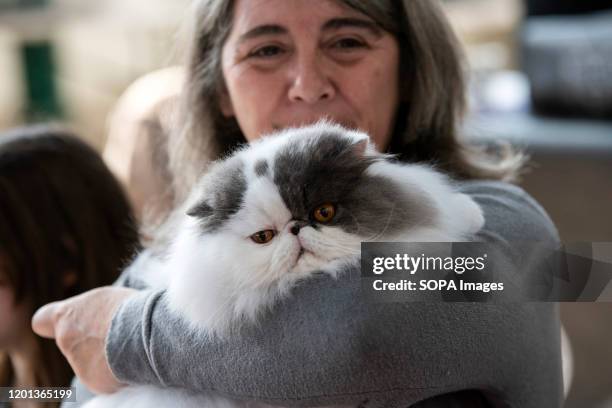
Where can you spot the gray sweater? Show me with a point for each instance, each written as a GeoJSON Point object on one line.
{"type": "Point", "coordinates": [325, 346]}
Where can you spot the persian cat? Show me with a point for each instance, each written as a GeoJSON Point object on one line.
{"type": "Point", "coordinates": [289, 205]}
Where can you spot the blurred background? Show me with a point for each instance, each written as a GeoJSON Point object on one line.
{"type": "Point", "coordinates": [540, 78]}
{"type": "Point", "coordinates": [71, 59]}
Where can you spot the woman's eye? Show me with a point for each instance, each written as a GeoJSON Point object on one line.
{"type": "Point", "coordinates": [324, 213]}
{"type": "Point", "coordinates": [266, 52]}
{"type": "Point", "coordinates": [263, 237]}
{"type": "Point", "coordinates": [348, 43]}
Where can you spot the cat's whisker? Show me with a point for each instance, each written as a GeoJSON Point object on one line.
{"type": "Point", "coordinates": [255, 281]}
{"type": "Point", "coordinates": [346, 248]}
{"type": "Point", "coordinates": [386, 227]}
{"type": "Point", "coordinates": [356, 222]}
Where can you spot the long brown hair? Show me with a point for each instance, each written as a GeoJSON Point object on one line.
{"type": "Point", "coordinates": [61, 211]}
{"type": "Point", "coordinates": [428, 118]}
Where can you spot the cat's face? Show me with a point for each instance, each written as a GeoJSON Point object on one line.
{"type": "Point", "coordinates": [296, 201]}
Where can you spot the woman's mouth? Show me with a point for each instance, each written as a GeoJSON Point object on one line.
{"type": "Point", "coordinates": [346, 123]}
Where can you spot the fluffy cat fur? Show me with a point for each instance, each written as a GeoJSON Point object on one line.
{"type": "Point", "coordinates": [219, 279]}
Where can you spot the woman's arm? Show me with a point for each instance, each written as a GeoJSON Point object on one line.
{"type": "Point", "coordinates": [325, 345]}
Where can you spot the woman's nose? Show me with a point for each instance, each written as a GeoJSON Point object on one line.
{"type": "Point", "coordinates": [309, 82]}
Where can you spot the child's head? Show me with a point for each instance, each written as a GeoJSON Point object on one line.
{"type": "Point", "coordinates": [65, 225]}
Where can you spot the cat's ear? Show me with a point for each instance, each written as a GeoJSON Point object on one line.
{"type": "Point", "coordinates": [359, 148]}
{"type": "Point", "coordinates": [200, 210]}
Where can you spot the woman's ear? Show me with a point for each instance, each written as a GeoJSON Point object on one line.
{"type": "Point", "coordinates": [225, 103]}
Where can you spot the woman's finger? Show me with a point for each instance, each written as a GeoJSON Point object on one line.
{"type": "Point", "coordinates": [43, 321]}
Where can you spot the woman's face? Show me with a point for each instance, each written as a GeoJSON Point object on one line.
{"type": "Point", "coordinates": [292, 62]}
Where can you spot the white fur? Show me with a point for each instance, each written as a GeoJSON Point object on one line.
{"type": "Point", "coordinates": [220, 281]}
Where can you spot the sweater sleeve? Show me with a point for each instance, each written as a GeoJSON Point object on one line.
{"type": "Point", "coordinates": [325, 345]}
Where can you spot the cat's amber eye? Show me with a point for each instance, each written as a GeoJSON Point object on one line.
{"type": "Point", "coordinates": [324, 213]}
{"type": "Point", "coordinates": [263, 237]}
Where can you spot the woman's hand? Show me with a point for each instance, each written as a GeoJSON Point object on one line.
{"type": "Point", "coordinates": [80, 325]}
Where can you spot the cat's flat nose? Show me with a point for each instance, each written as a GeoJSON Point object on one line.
{"type": "Point", "coordinates": [297, 226]}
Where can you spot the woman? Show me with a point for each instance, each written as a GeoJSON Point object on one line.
{"type": "Point", "coordinates": [65, 228]}
{"type": "Point", "coordinates": [392, 69]}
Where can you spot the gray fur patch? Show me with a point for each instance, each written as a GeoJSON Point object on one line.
{"type": "Point", "coordinates": [261, 168]}
{"type": "Point", "coordinates": [329, 170]}
{"type": "Point", "coordinates": [224, 187]}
